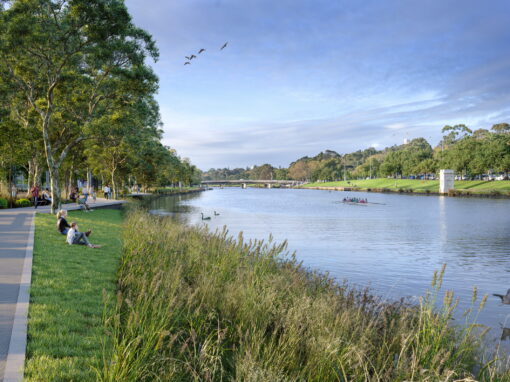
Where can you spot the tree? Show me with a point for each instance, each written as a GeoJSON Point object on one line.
{"type": "Point", "coordinates": [454, 134]}
{"type": "Point", "coordinates": [264, 172]}
{"type": "Point", "coordinates": [501, 128]}
{"type": "Point", "coordinates": [281, 174]}
{"type": "Point", "coordinates": [302, 169]}
{"type": "Point", "coordinates": [70, 59]}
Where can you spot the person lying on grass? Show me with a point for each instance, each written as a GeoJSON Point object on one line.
{"type": "Point", "coordinates": [74, 236]}
{"type": "Point", "coordinates": [62, 224]}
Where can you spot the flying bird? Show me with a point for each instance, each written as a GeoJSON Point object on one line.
{"type": "Point", "coordinates": [224, 46]}
{"type": "Point", "coordinates": [187, 58]}
{"type": "Point", "coordinates": [192, 57]}
{"type": "Point", "coordinates": [504, 299]}
{"type": "Point", "coordinates": [201, 50]}
{"type": "Point", "coordinates": [187, 63]}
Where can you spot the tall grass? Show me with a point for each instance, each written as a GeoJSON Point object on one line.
{"type": "Point", "coordinates": [199, 306]}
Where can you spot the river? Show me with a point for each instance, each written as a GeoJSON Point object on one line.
{"type": "Point", "coordinates": [392, 245]}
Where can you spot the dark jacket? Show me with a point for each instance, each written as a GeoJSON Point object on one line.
{"type": "Point", "coordinates": [62, 224]}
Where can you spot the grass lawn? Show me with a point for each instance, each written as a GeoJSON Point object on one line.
{"type": "Point", "coordinates": [65, 327]}
{"type": "Point", "coordinates": [474, 186]}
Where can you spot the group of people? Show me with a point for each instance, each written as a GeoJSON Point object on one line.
{"type": "Point", "coordinates": [73, 234]}
{"type": "Point", "coordinates": [40, 197]}
{"type": "Point", "coordinates": [355, 200]}
{"type": "Point", "coordinates": [44, 197]}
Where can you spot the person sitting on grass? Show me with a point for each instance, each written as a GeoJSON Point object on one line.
{"type": "Point", "coordinates": [62, 224]}
{"type": "Point", "coordinates": [74, 236]}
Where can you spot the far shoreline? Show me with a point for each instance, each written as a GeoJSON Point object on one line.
{"type": "Point", "coordinates": [481, 189]}
{"type": "Point", "coordinates": [452, 193]}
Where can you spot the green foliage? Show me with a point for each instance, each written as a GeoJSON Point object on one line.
{"type": "Point", "coordinates": [198, 306]}
{"type": "Point", "coordinates": [75, 72]}
{"type": "Point", "coordinates": [467, 152]}
{"type": "Point", "coordinates": [3, 203]}
{"type": "Point", "coordinates": [69, 284]}
{"type": "Point", "coordinates": [23, 203]}
{"type": "Point", "coordinates": [480, 187]}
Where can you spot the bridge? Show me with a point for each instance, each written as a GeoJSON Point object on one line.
{"type": "Point", "coordinates": [245, 182]}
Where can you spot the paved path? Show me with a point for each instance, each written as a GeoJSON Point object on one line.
{"type": "Point", "coordinates": [15, 227]}
{"type": "Point", "coordinates": [14, 233]}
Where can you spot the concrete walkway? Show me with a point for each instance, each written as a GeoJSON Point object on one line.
{"type": "Point", "coordinates": [16, 240]}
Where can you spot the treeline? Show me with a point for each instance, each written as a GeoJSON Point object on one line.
{"type": "Point", "coordinates": [77, 97]}
{"type": "Point", "coordinates": [469, 153]}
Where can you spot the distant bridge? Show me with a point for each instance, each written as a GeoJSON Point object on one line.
{"type": "Point", "coordinates": [245, 182]}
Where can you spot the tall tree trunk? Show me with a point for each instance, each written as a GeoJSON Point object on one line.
{"type": "Point", "coordinates": [70, 181]}
{"type": "Point", "coordinates": [114, 187]}
{"type": "Point", "coordinates": [33, 172]}
{"type": "Point", "coordinates": [10, 187]}
{"type": "Point", "coordinates": [30, 173]}
{"type": "Point", "coordinates": [56, 200]}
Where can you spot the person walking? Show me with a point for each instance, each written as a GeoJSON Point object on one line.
{"type": "Point", "coordinates": [86, 193]}
{"type": "Point", "coordinates": [106, 191]}
{"type": "Point", "coordinates": [35, 194]}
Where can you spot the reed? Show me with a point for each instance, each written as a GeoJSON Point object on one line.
{"type": "Point", "coordinates": [199, 306]}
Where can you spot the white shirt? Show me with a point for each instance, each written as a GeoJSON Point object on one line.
{"type": "Point", "coordinates": [70, 235]}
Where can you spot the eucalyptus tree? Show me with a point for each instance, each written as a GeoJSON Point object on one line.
{"type": "Point", "coordinates": [501, 128]}
{"type": "Point", "coordinates": [71, 59]}
{"type": "Point", "coordinates": [454, 134]}
{"type": "Point", "coordinates": [123, 133]}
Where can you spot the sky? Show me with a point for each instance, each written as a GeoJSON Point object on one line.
{"type": "Point", "coordinates": [301, 76]}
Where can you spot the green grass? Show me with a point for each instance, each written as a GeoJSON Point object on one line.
{"type": "Point", "coordinates": [65, 326]}
{"type": "Point", "coordinates": [200, 306]}
{"type": "Point", "coordinates": [475, 186]}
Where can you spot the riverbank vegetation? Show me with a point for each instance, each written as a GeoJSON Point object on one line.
{"type": "Point", "coordinates": [199, 306]}
{"type": "Point", "coordinates": [474, 155]}
{"type": "Point", "coordinates": [418, 186]}
{"type": "Point", "coordinates": [69, 283]}
{"type": "Point", "coordinates": [77, 100]}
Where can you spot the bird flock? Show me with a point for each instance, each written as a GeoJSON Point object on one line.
{"type": "Point", "coordinates": [208, 217]}
{"type": "Point", "coordinates": [202, 50]}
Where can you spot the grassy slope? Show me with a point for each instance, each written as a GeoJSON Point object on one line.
{"type": "Point", "coordinates": [66, 304]}
{"type": "Point", "coordinates": [419, 185]}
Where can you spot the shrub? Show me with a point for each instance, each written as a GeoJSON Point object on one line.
{"type": "Point", "coordinates": [3, 203]}
{"type": "Point", "coordinates": [23, 203]}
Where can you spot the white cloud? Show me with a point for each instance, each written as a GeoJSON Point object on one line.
{"type": "Point", "coordinates": [395, 126]}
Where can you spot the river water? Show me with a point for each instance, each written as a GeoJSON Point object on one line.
{"type": "Point", "coordinates": [392, 245]}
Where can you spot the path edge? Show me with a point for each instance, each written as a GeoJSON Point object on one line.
{"type": "Point", "coordinates": [15, 363]}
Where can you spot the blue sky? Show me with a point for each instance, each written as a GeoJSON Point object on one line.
{"type": "Point", "coordinates": [299, 77]}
